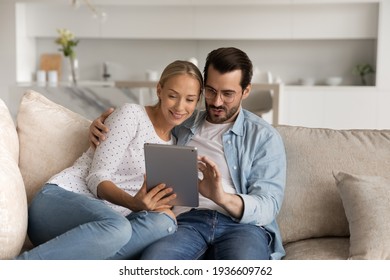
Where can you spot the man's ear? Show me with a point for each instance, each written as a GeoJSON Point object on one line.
{"type": "Point", "coordinates": [246, 91]}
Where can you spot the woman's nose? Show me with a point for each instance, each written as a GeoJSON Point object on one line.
{"type": "Point", "coordinates": [179, 104]}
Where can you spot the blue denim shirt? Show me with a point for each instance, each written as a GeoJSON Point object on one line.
{"type": "Point", "coordinates": [256, 160]}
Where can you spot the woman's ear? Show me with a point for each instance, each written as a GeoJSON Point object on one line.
{"type": "Point", "coordinates": [159, 89]}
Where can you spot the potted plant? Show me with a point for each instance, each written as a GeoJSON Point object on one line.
{"type": "Point", "coordinates": [363, 70]}
{"type": "Point", "coordinates": [67, 41]}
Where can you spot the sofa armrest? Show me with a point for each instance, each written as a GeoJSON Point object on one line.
{"type": "Point", "coordinates": [13, 202]}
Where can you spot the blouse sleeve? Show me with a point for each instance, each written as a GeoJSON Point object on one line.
{"type": "Point", "coordinates": [123, 125]}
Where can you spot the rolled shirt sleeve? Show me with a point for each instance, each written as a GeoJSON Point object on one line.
{"type": "Point", "coordinates": [258, 170]}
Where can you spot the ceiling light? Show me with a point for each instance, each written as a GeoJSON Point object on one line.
{"type": "Point", "coordinates": [97, 13]}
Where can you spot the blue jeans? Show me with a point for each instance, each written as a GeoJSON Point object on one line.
{"type": "Point", "coordinates": [207, 234]}
{"type": "Point", "coordinates": [66, 225]}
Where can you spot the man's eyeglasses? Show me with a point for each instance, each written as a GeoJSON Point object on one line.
{"type": "Point", "coordinates": [226, 96]}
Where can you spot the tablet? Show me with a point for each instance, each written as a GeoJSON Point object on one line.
{"type": "Point", "coordinates": [177, 167]}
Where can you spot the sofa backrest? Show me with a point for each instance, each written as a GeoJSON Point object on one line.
{"type": "Point", "coordinates": [312, 206]}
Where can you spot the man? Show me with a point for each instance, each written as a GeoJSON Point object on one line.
{"type": "Point", "coordinates": [243, 186]}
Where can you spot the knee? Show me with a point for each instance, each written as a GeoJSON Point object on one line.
{"type": "Point", "coordinates": [121, 227]}
{"type": "Point", "coordinates": [156, 251]}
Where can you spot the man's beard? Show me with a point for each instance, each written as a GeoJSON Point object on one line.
{"type": "Point", "coordinates": [218, 120]}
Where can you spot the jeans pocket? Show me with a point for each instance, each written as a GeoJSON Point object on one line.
{"type": "Point", "coordinates": [270, 237]}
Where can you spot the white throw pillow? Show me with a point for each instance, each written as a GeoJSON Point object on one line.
{"type": "Point", "coordinates": [51, 138]}
{"type": "Point", "coordinates": [13, 202]}
{"type": "Point", "coordinates": [366, 201]}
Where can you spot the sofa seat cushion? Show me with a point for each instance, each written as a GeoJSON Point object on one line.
{"type": "Point", "coordinates": [51, 138]}
{"type": "Point", "coordinates": [13, 202]}
{"type": "Point", "coordinates": [327, 248]}
{"type": "Point", "coordinates": [312, 205]}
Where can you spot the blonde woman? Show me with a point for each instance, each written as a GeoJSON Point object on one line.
{"type": "Point", "coordinates": [99, 207]}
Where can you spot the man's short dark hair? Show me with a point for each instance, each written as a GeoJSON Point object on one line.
{"type": "Point", "coordinates": [225, 60]}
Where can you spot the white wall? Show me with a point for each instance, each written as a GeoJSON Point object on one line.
{"type": "Point", "coordinates": [383, 65]}
{"type": "Point", "coordinates": [8, 47]}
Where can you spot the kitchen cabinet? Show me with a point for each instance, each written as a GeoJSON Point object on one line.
{"type": "Point", "coordinates": [331, 21]}
{"type": "Point", "coordinates": [335, 107]}
{"type": "Point", "coordinates": [382, 110]}
{"type": "Point", "coordinates": [265, 20]}
{"type": "Point", "coordinates": [43, 20]}
{"type": "Point", "coordinates": [292, 21]}
{"type": "Point", "coordinates": [146, 22]}
{"type": "Point", "coordinates": [243, 22]}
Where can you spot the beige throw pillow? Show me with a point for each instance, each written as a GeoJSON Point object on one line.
{"type": "Point", "coordinates": [13, 202]}
{"type": "Point", "coordinates": [366, 201]}
{"type": "Point", "coordinates": [51, 138]}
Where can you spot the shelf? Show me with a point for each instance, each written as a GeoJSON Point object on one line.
{"type": "Point", "coordinates": [329, 88]}
{"type": "Point", "coordinates": [135, 84]}
{"type": "Point", "coordinates": [82, 83]}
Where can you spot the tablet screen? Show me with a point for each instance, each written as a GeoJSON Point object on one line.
{"type": "Point", "coordinates": [177, 167]}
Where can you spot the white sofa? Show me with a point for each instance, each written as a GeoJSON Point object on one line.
{"type": "Point", "coordinates": [337, 199]}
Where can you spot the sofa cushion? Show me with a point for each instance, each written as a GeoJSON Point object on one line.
{"type": "Point", "coordinates": [312, 206]}
{"type": "Point", "coordinates": [325, 248]}
{"type": "Point", "coordinates": [366, 201]}
{"type": "Point", "coordinates": [51, 138]}
{"type": "Point", "coordinates": [13, 203]}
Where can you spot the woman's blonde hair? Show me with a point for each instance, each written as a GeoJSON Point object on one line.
{"type": "Point", "coordinates": [180, 67]}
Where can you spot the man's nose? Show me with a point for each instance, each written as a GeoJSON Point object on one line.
{"type": "Point", "coordinates": [217, 100]}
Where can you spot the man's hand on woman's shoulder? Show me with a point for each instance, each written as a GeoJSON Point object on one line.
{"type": "Point", "coordinates": [97, 129]}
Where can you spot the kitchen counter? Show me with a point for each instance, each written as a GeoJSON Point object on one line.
{"type": "Point", "coordinates": [91, 98]}
{"type": "Point", "coordinates": [88, 99]}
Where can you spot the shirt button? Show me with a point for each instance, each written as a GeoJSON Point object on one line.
{"type": "Point", "coordinates": [229, 142]}
{"type": "Point", "coordinates": [235, 167]}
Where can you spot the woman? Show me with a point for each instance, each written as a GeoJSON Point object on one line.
{"type": "Point", "coordinates": [99, 207]}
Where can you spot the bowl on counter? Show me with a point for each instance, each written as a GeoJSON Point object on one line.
{"type": "Point", "coordinates": [333, 81]}
{"type": "Point", "coordinates": [307, 81]}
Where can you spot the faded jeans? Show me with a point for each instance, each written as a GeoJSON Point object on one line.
{"type": "Point", "coordinates": [70, 226]}
{"type": "Point", "coordinates": [208, 234]}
